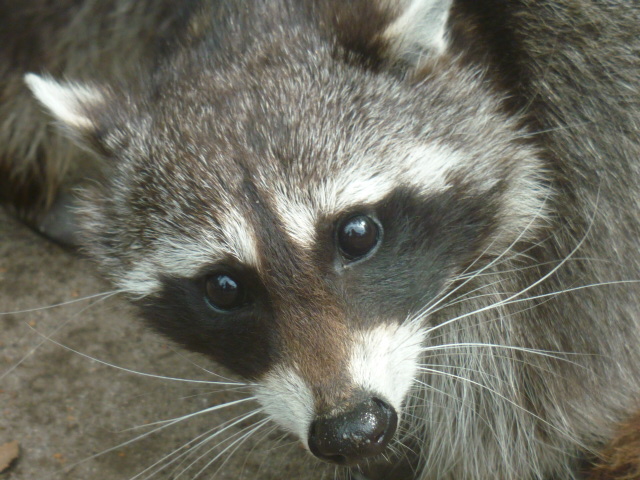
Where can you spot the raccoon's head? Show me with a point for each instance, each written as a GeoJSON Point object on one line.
{"type": "Point", "coordinates": [290, 203]}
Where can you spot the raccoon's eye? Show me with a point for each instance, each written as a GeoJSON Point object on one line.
{"type": "Point", "coordinates": [357, 236]}
{"type": "Point", "coordinates": [223, 292]}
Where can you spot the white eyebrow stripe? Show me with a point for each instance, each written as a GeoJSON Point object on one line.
{"type": "Point", "coordinates": [427, 167]}
{"type": "Point", "coordinates": [186, 257]}
{"type": "Point", "coordinates": [423, 167]}
{"type": "Point", "coordinates": [239, 237]}
{"type": "Point", "coordinates": [172, 258]}
{"type": "Point", "coordinates": [297, 219]}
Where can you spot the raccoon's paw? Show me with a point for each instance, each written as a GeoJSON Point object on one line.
{"type": "Point", "coordinates": [59, 223]}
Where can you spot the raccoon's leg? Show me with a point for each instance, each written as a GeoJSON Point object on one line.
{"type": "Point", "coordinates": [39, 165]}
{"type": "Point", "coordinates": [59, 223]}
{"type": "Point", "coordinates": [45, 200]}
{"type": "Point", "coordinates": [41, 194]}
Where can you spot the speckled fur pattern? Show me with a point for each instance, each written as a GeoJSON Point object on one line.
{"type": "Point", "coordinates": [496, 143]}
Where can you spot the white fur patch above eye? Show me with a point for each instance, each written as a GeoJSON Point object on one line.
{"type": "Point", "coordinates": [421, 167]}
{"type": "Point", "coordinates": [384, 361]}
{"type": "Point", "coordinates": [172, 258]}
{"type": "Point", "coordinates": [67, 102]}
{"type": "Point", "coordinates": [239, 238]}
{"type": "Point", "coordinates": [184, 257]}
{"type": "Point", "coordinates": [288, 401]}
{"type": "Point", "coordinates": [426, 168]}
{"type": "Point", "coordinates": [139, 282]}
{"type": "Point", "coordinates": [298, 220]}
{"type": "Point", "coordinates": [300, 213]}
{"type": "Point", "coordinates": [356, 189]}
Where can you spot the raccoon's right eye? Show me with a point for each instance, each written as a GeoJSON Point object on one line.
{"type": "Point", "coordinates": [358, 236]}
{"type": "Point", "coordinates": [223, 292]}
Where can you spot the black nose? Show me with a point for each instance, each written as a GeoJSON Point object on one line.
{"type": "Point", "coordinates": [357, 434]}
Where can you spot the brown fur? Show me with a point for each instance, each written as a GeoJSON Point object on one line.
{"type": "Point", "coordinates": [620, 460]}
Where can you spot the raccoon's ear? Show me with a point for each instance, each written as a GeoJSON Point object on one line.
{"type": "Point", "coordinates": [383, 32]}
{"type": "Point", "coordinates": [418, 28]}
{"type": "Point", "coordinates": [75, 106]}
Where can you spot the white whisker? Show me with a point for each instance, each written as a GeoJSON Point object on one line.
{"type": "Point", "coordinates": [135, 372]}
{"type": "Point", "coordinates": [219, 429]}
{"type": "Point", "coordinates": [245, 433]}
{"type": "Point", "coordinates": [437, 301]}
{"type": "Point", "coordinates": [101, 298]}
{"type": "Point", "coordinates": [62, 304]}
{"type": "Point", "coordinates": [499, 395]}
{"type": "Point", "coordinates": [543, 353]}
{"type": "Point", "coordinates": [163, 425]}
{"type": "Point", "coordinates": [190, 415]}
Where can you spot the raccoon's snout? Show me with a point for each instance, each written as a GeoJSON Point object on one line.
{"type": "Point", "coordinates": [350, 437]}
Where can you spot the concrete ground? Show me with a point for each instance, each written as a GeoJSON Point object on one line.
{"type": "Point", "coordinates": [77, 418]}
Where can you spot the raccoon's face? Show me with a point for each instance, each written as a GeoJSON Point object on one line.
{"type": "Point", "coordinates": [292, 219]}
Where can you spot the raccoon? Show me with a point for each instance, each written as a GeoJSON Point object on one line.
{"type": "Point", "coordinates": [413, 224]}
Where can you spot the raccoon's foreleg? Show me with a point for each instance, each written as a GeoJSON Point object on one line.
{"type": "Point", "coordinates": [59, 222]}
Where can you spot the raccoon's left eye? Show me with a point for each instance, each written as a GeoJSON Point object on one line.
{"type": "Point", "coordinates": [223, 292]}
{"type": "Point", "coordinates": [357, 236]}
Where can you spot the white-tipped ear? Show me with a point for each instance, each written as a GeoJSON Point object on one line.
{"type": "Point", "coordinates": [70, 103]}
{"type": "Point", "coordinates": [419, 29]}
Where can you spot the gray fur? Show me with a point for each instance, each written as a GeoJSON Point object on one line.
{"type": "Point", "coordinates": [79, 40]}
{"type": "Point", "coordinates": [249, 128]}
